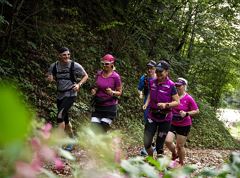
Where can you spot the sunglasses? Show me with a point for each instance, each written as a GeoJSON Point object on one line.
{"type": "Point", "coordinates": [105, 63]}
{"type": "Point", "coordinates": [150, 68]}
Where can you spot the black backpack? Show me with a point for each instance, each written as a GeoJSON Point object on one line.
{"type": "Point", "coordinates": [71, 72]}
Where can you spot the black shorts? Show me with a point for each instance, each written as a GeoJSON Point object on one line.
{"type": "Point", "coordinates": [63, 106]}
{"type": "Point", "coordinates": [180, 130]}
{"type": "Point", "coordinates": [109, 112]}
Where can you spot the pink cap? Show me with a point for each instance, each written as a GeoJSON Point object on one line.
{"type": "Point", "coordinates": [109, 58]}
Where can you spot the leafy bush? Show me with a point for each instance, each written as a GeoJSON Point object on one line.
{"type": "Point", "coordinates": [208, 131]}
{"type": "Point", "coordinates": [25, 154]}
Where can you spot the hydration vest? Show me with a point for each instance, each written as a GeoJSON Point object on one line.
{"type": "Point", "coordinates": [71, 77]}
{"type": "Point", "coordinates": [71, 73]}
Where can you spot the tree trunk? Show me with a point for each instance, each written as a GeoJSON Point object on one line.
{"type": "Point", "coordinates": [8, 32]}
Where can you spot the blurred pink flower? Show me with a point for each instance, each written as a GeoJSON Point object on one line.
{"type": "Point", "coordinates": [25, 170]}
{"type": "Point", "coordinates": [36, 143]}
{"type": "Point", "coordinates": [160, 175]}
{"type": "Point", "coordinates": [113, 175]}
{"type": "Point", "coordinates": [41, 152]}
{"type": "Point", "coordinates": [47, 153]}
{"type": "Point", "coordinates": [117, 140]}
{"type": "Point", "coordinates": [58, 164]}
{"type": "Point", "coordinates": [172, 164]}
{"type": "Point", "coordinates": [36, 162]}
{"type": "Point", "coordinates": [117, 155]}
{"type": "Point", "coordinates": [46, 130]}
{"type": "Point", "coordinates": [117, 150]}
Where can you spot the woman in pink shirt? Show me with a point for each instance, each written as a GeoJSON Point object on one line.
{"type": "Point", "coordinates": [181, 121]}
{"type": "Point", "coordinates": [108, 87]}
{"type": "Point", "coordinates": [161, 99]}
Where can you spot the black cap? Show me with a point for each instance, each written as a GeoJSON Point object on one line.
{"type": "Point", "coordinates": [162, 65]}
{"type": "Point", "coordinates": [151, 63]}
{"type": "Point", "coordinates": [62, 49]}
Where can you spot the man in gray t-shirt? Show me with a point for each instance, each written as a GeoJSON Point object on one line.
{"type": "Point", "coordinates": [64, 72]}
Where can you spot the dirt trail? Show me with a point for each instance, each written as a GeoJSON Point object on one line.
{"type": "Point", "coordinates": [203, 158]}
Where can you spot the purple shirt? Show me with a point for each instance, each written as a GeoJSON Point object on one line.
{"type": "Point", "coordinates": [161, 93]}
{"type": "Point", "coordinates": [102, 83]}
{"type": "Point", "coordinates": [187, 103]}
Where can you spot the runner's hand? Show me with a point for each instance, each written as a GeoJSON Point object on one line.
{"type": "Point", "coordinates": [76, 87]}
{"type": "Point", "coordinates": [93, 91]}
{"type": "Point", "coordinates": [144, 107]}
{"type": "Point", "coordinates": [50, 78]}
{"type": "Point", "coordinates": [182, 113]}
{"type": "Point", "coordinates": [109, 91]}
{"type": "Point", "coordinates": [162, 105]}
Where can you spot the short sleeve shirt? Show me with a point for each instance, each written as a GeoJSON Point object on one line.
{"type": "Point", "coordinates": [161, 93]}
{"type": "Point", "coordinates": [63, 71]}
{"type": "Point", "coordinates": [102, 83]}
{"type": "Point", "coordinates": [187, 103]}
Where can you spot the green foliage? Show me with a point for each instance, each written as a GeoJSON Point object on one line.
{"type": "Point", "coordinates": [138, 167]}
{"type": "Point", "coordinates": [15, 119]}
{"type": "Point", "coordinates": [14, 129]}
{"type": "Point", "coordinates": [53, 112]}
{"type": "Point", "coordinates": [208, 131]}
{"type": "Point", "coordinates": [110, 25]}
{"type": "Point", "coordinates": [200, 40]}
{"type": "Point", "coordinates": [100, 146]}
{"type": "Point", "coordinates": [5, 2]}
{"type": "Point", "coordinates": [2, 20]}
{"type": "Point", "coordinates": [26, 157]}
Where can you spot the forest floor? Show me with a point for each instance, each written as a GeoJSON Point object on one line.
{"type": "Point", "coordinates": [211, 158]}
{"type": "Point", "coordinates": [202, 158]}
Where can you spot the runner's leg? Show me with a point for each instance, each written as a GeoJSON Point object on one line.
{"type": "Point", "coordinates": [149, 132]}
{"type": "Point", "coordinates": [163, 128]}
{"type": "Point", "coordinates": [170, 144]}
{"type": "Point", "coordinates": [181, 140]}
{"type": "Point", "coordinates": [63, 120]}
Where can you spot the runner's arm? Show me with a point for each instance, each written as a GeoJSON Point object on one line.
{"type": "Point", "coordinates": [147, 102]}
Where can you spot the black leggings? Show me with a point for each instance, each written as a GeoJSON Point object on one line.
{"type": "Point", "coordinates": [151, 128]}
{"type": "Point", "coordinates": [63, 106]}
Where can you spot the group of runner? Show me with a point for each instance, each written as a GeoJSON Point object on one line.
{"type": "Point", "coordinates": [70, 76]}
{"type": "Point", "coordinates": [168, 107]}
{"type": "Point", "coordinates": [168, 110]}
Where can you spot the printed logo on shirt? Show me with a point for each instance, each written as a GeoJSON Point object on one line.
{"type": "Point", "coordinates": [162, 91]}
{"type": "Point", "coordinates": [153, 87]}
{"type": "Point", "coordinates": [167, 86]}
